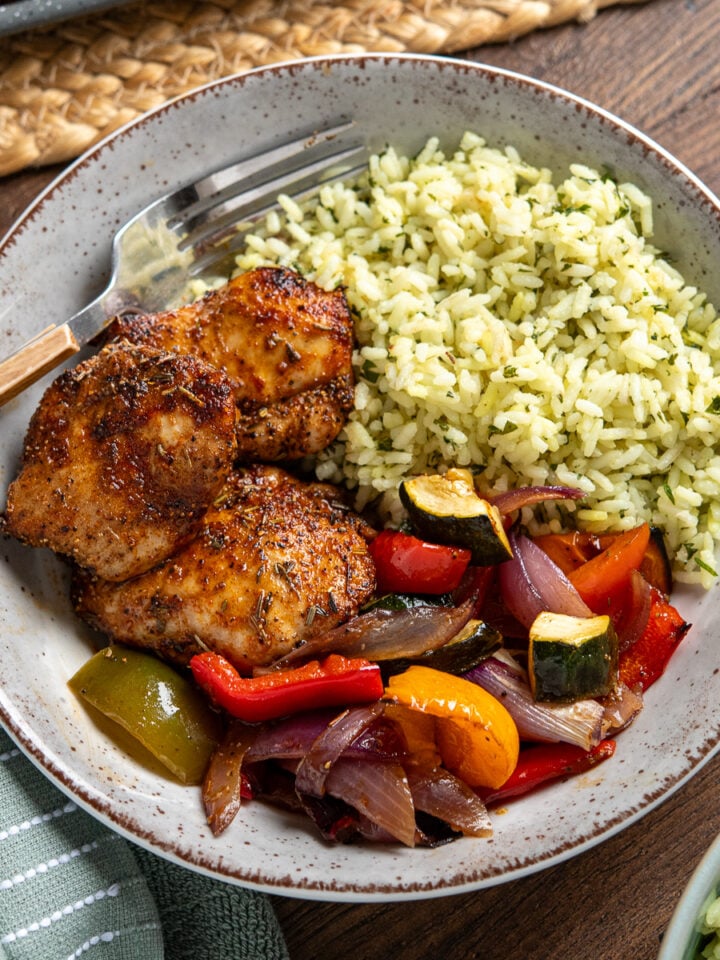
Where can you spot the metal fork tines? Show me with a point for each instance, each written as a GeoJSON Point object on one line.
{"type": "Point", "coordinates": [214, 226]}
{"type": "Point", "coordinates": [198, 229]}
{"type": "Point", "coordinates": [194, 231]}
{"type": "Point", "coordinates": [242, 184]}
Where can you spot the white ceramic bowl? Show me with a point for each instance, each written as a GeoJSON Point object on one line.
{"type": "Point", "coordinates": [682, 937]}
{"type": "Point", "coordinates": [55, 260]}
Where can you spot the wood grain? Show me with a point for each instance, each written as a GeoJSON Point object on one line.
{"type": "Point", "coordinates": [612, 902]}
{"type": "Point", "coordinates": [42, 354]}
{"type": "Point", "coordinates": [657, 68]}
{"type": "Point", "coordinates": [656, 65]}
{"type": "Point", "coordinates": [63, 90]}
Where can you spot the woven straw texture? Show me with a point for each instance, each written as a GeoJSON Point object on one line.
{"type": "Point", "coordinates": [64, 88]}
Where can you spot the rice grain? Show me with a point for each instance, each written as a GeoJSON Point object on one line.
{"type": "Point", "coordinates": [526, 329]}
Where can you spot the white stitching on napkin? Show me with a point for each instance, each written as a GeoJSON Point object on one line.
{"type": "Point", "coordinates": [59, 861]}
{"type": "Point", "coordinates": [42, 868]}
{"type": "Point", "coordinates": [9, 755]}
{"type": "Point", "coordinates": [37, 820]}
{"type": "Point", "coordinates": [107, 937]}
{"type": "Point", "coordinates": [112, 891]}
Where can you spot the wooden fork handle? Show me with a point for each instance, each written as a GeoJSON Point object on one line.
{"type": "Point", "coordinates": [35, 359]}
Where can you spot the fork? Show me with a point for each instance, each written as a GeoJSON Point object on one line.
{"type": "Point", "coordinates": [193, 232]}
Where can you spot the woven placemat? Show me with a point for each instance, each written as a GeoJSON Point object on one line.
{"type": "Point", "coordinates": [63, 88]}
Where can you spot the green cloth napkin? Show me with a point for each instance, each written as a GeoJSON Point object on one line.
{"type": "Point", "coordinates": [70, 888]}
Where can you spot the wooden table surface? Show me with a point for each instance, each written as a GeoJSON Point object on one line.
{"type": "Point", "coordinates": [657, 66]}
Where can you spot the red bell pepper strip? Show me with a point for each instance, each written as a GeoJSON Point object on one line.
{"type": "Point", "coordinates": [334, 681]}
{"type": "Point", "coordinates": [548, 761]}
{"type": "Point", "coordinates": [646, 658]}
{"type": "Point", "coordinates": [406, 564]}
{"type": "Point", "coordinates": [603, 582]}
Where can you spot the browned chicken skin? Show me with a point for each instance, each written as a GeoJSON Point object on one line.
{"type": "Point", "coordinates": [277, 561]}
{"type": "Point", "coordinates": [286, 346]}
{"type": "Point", "coordinates": [128, 470]}
{"type": "Point", "coordinates": [121, 459]}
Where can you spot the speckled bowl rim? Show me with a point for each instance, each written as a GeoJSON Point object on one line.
{"type": "Point", "coordinates": [312, 870]}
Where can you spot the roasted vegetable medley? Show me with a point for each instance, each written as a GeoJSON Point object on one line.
{"type": "Point", "coordinates": [486, 665]}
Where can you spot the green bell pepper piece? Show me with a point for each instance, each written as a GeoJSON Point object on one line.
{"type": "Point", "coordinates": [158, 706]}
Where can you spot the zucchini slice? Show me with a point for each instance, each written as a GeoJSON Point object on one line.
{"type": "Point", "coordinates": [572, 658]}
{"type": "Point", "coordinates": [406, 601]}
{"type": "Point", "coordinates": [445, 508]}
{"type": "Point", "coordinates": [465, 650]}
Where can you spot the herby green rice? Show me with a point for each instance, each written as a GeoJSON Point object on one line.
{"type": "Point", "coordinates": [524, 328]}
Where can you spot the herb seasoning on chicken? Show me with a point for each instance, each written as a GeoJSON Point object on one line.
{"type": "Point", "coordinates": [122, 457]}
{"type": "Point", "coordinates": [277, 562]}
{"type": "Point", "coordinates": [286, 346]}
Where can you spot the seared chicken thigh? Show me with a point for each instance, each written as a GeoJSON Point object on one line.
{"type": "Point", "coordinates": [277, 561]}
{"type": "Point", "coordinates": [121, 459]}
{"type": "Point", "coordinates": [286, 346]}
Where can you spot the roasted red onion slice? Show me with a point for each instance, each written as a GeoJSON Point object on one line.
{"type": "Point", "coordinates": [372, 832]}
{"type": "Point", "coordinates": [336, 820]}
{"type": "Point", "coordinates": [532, 583]}
{"type": "Point", "coordinates": [620, 709]}
{"type": "Point", "coordinates": [291, 737]}
{"type": "Point", "coordinates": [221, 790]}
{"type": "Point", "coordinates": [527, 496]}
{"type": "Point", "coordinates": [440, 793]}
{"type": "Point", "coordinates": [379, 791]}
{"type": "Point", "coordinates": [313, 769]}
{"type": "Point", "coordinates": [383, 634]}
{"type": "Point", "coordinates": [580, 723]}
{"type": "Point", "coordinates": [383, 740]}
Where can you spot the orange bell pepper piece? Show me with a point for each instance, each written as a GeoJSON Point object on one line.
{"type": "Point", "coordinates": [603, 582]}
{"type": "Point", "coordinates": [571, 550]}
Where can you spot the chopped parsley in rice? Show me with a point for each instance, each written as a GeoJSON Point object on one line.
{"type": "Point", "coordinates": [524, 328]}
